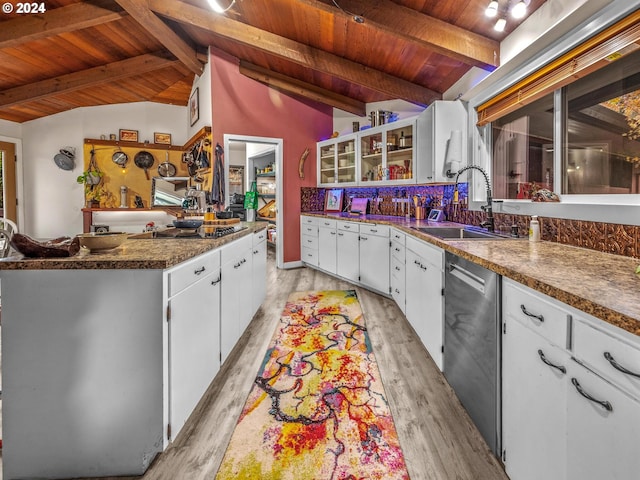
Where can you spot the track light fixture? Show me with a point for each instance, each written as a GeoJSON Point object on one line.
{"type": "Point", "coordinates": [216, 7]}
{"type": "Point", "coordinates": [516, 8]}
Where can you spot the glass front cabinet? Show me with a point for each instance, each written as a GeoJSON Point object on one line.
{"type": "Point", "coordinates": [337, 161]}
{"type": "Point", "coordinates": [387, 153]}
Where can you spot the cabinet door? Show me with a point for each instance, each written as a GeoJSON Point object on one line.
{"type": "Point", "coordinates": [326, 162]}
{"type": "Point", "coordinates": [347, 255]}
{"type": "Point", "coordinates": [424, 303]}
{"type": "Point", "coordinates": [602, 443]}
{"type": "Point", "coordinates": [533, 404]}
{"type": "Point", "coordinates": [374, 262]}
{"type": "Point", "coordinates": [236, 305]}
{"type": "Point", "coordinates": [346, 155]}
{"type": "Point", "coordinates": [194, 346]}
{"type": "Point", "coordinates": [327, 249]}
{"type": "Point", "coordinates": [259, 275]}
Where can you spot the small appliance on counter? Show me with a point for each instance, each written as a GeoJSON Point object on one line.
{"type": "Point", "coordinates": [237, 206]}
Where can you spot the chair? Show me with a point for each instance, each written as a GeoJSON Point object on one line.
{"type": "Point", "coordinates": [7, 229]}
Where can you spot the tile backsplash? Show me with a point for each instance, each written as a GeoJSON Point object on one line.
{"type": "Point", "coordinates": [604, 237]}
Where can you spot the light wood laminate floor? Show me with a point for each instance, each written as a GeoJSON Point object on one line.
{"type": "Point", "coordinates": [437, 437]}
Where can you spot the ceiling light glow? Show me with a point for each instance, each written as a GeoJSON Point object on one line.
{"type": "Point", "coordinates": [216, 7]}
{"type": "Point", "coordinates": [519, 10]}
{"type": "Point", "coordinates": [492, 9]}
{"type": "Point", "coordinates": [500, 24]}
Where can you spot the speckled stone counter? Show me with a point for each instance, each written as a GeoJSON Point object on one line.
{"type": "Point", "coordinates": [600, 284]}
{"type": "Point", "coordinates": [134, 253]}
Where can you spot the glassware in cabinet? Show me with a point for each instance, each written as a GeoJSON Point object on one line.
{"type": "Point", "coordinates": [327, 163]}
{"type": "Point", "coordinates": [371, 161]}
{"type": "Point", "coordinates": [400, 158]}
{"type": "Point", "coordinates": [346, 161]}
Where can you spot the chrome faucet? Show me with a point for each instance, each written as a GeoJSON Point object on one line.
{"type": "Point", "coordinates": [489, 223]}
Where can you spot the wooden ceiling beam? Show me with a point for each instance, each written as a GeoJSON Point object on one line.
{"type": "Point", "coordinates": [287, 84]}
{"type": "Point", "coordinates": [159, 30]}
{"type": "Point", "coordinates": [58, 20]}
{"type": "Point", "coordinates": [293, 51]}
{"type": "Point", "coordinates": [92, 77]}
{"type": "Point", "coordinates": [414, 27]}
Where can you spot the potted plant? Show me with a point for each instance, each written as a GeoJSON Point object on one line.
{"type": "Point", "coordinates": [92, 189]}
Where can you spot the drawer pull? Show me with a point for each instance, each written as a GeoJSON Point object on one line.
{"type": "Point", "coordinates": [199, 271]}
{"type": "Point", "coordinates": [341, 234]}
{"type": "Point", "coordinates": [397, 249]}
{"type": "Point", "coordinates": [363, 238]}
{"type": "Point", "coordinates": [552, 365]}
{"type": "Point", "coordinates": [529, 314]}
{"type": "Point", "coordinates": [397, 268]}
{"type": "Point", "coordinates": [333, 233]}
{"type": "Point", "coordinates": [606, 405]}
{"type": "Point", "coordinates": [217, 281]}
{"type": "Point", "coordinates": [397, 291]}
{"type": "Point", "coordinates": [373, 230]}
{"type": "Point", "coordinates": [619, 367]}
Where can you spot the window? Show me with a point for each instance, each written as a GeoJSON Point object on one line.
{"type": "Point", "coordinates": [523, 150]}
{"type": "Point", "coordinates": [603, 130]}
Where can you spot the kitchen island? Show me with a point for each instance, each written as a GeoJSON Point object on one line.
{"type": "Point", "coordinates": [105, 355]}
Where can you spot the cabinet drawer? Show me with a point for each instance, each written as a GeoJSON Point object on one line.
{"type": "Point", "coordinates": [399, 296]}
{"type": "Point", "coordinates": [304, 220]}
{"type": "Point", "coordinates": [310, 256]}
{"type": "Point", "coordinates": [327, 223]}
{"type": "Point", "coordinates": [539, 312]}
{"type": "Point", "coordinates": [429, 253]}
{"type": "Point", "coordinates": [189, 272]}
{"type": "Point", "coordinates": [373, 229]}
{"type": "Point", "coordinates": [310, 242]}
{"type": "Point", "coordinates": [349, 226]}
{"type": "Point", "coordinates": [398, 236]}
{"type": "Point", "coordinates": [259, 236]}
{"type": "Point", "coordinates": [311, 230]}
{"type": "Point", "coordinates": [608, 355]}
{"type": "Point", "coordinates": [398, 250]}
{"type": "Point", "coordinates": [398, 270]}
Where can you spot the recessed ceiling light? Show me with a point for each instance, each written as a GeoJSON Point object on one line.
{"type": "Point", "coordinates": [500, 24]}
{"type": "Point", "coordinates": [492, 9]}
{"type": "Point", "coordinates": [216, 7]}
{"type": "Point", "coordinates": [519, 10]}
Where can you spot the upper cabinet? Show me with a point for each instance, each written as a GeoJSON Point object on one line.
{"type": "Point", "coordinates": [337, 161]}
{"type": "Point", "coordinates": [407, 151]}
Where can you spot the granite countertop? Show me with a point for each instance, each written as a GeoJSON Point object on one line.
{"type": "Point", "coordinates": [601, 284]}
{"type": "Point", "coordinates": [134, 253]}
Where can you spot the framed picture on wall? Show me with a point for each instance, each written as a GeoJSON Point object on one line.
{"type": "Point", "coordinates": [128, 135]}
{"type": "Point", "coordinates": [333, 200]}
{"type": "Point", "coordinates": [194, 107]}
{"type": "Point", "coordinates": [162, 138]}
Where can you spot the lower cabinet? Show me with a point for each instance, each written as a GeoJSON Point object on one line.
{"type": "Point", "coordinates": [424, 300]}
{"type": "Point", "coordinates": [348, 248]}
{"type": "Point", "coordinates": [259, 268]}
{"type": "Point", "coordinates": [328, 246]}
{"type": "Point", "coordinates": [374, 257]}
{"type": "Point", "coordinates": [194, 343]}
{"type": "Point", "coordinates": [236, 290]}
{"type": "Point", "coordinates": [398, 270]}
{"type": "Point", "coordinates": [568, 413]}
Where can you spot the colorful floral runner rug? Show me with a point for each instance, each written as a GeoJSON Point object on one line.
{"type": "Point", "coordinates": [317, 409]}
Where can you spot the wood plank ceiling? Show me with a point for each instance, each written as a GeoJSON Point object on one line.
{"type": "Point", "coordinates": [85, 53]}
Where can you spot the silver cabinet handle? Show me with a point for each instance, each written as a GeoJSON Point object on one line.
{"type": "Point", "coordinates": [529, 314]}
{"type": "Point", "coordinates": [341, 234]}
{"type": "Point", "coordinates": [217, 281]}
{"type": "Point", "coordinates": [552, 365]}
{"type": "Point", "coordinates": [619, 367]}
{"type": "Point", "coordinates": [397, 249]}
{"type": "Point", "coordinates": [363, 238]}
{"type": "Point", "coordinates": [333, 233]}
{"type": "Point", "coordinates": [606, 405]}
{"type": "Point", "coordinates": [397, 268]}
{"type": "Point", "coordinates": [199, 271]}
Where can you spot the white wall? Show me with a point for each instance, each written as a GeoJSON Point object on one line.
{"type": "Point", "coordinates": [205, 118]}
{"type": "Point", "coordinates": [52, 198]}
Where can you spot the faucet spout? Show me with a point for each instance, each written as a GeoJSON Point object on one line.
{"type": "Point", "coordinates": [489, 223]}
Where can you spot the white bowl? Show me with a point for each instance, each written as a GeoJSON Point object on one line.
{"type": "Point", "coordinates": [100, 241]}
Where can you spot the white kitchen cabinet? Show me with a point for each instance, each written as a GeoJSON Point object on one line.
{"type": "Point", "coordinates": [374, 257]}
{"type": "Point", "coordinates": [348, 248]}
{"type": "Point", "coordinates": [337, 161]}
{"type": "Point", "coordinates": [259, 270]}
{"type": "Point", "coordinates": [436, 125]}
{"type": "Point", "coordinates": [398, 268]}
{"type": "Point", "coordinates": [603, 430]}
{"type": "Point", "coordinates": [236, 291]}
{"type": "Point", "coordinates": [579, 425]}
{"type": "Point", "coordinates": [194, 341]}
{"type": "Point", "coordinates": [534, 416]}
{"type": "Point", "coordinates": [309, 240]}
{"type": "Point", "coordinates": [424, 300]}
{"type": "Point", "coordinates": [328, 245]}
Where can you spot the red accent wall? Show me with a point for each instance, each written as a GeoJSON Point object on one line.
{"type": "Point", "coordinates": [242, 106]}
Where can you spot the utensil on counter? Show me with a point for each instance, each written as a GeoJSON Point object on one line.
{"type": "Point", "coordinates": [183, 223]}
{"type": "Point", "coordinates": [144, 160]}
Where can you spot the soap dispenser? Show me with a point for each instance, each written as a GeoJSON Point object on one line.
{"type": "Point", "coordinates": [534, 229]}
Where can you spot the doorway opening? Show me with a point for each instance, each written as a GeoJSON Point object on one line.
{"type": "Point", "coordinates": [8, 181]}
{"type": "Point", "coordinates": [259, 159]}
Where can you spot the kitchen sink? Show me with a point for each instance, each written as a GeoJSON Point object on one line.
{"type": "Point", "coordinates": [460, 233]}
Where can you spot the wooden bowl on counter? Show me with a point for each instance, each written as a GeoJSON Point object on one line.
{"type": "Point", "coordinates": [101, 241]}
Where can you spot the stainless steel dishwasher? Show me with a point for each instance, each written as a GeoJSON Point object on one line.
{"type": "Point", "coordinates": [472, 343]}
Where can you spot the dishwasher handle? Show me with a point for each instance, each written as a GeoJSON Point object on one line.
{"type": "Point", "coordinates": [464, 275]}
